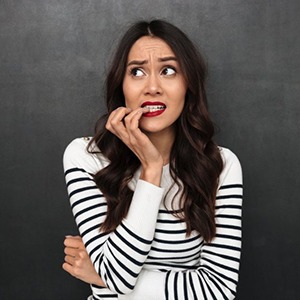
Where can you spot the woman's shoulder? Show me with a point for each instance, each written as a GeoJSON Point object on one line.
{"type": "Point", "coordinates": [80, 145]}
{"type": "Point", "coordinates": [83, 153]}
{"type": "Point", "coordinates": [228, 155]}
{"type": "Point", "coordinates": [232, 170]}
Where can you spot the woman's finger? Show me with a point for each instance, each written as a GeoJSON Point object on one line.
{"type": "Point", "coordinates": [74, 237]}
{"type": "Point", "coordinates": [132, 125]}
{"type": "Point", "coordinates": [134, 117]}
{"type": "Point", "coordinates": [71, 251]}
{"type": "Point", "coordinates": [68, 268]}
{"type": "Point", "coordinates": [73, 242]}
{"type": "Point", "coordinates": [115, 121]}
{"type": "Point", "coordinates": [70, 260]}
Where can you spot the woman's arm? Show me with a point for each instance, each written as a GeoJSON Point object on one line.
{"type": "Point", "coordinates": [217, 275]}
{"type": "Point", "coordinates": [118, 257]}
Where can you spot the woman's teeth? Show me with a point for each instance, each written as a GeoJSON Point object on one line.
{"type": "Point", "coordinates": [153, 108]}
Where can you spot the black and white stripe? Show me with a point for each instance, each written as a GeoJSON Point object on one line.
{"type": "Point", "coordinates": [151, 238]}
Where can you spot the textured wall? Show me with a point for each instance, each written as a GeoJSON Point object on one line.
{"type": "Point", "coordinates": [54, 55]}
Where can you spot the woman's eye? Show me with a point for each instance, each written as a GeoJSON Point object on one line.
{"type": "Point", "coordinates": [136, 72]}
{"type": "Point", "coordinates": [168, 71]}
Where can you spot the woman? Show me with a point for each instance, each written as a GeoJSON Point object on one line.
{"type": "Point", "coordinates": [156, 201]}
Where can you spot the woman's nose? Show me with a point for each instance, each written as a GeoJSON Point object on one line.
{"type": "Point", "coordinates": [153, 85]}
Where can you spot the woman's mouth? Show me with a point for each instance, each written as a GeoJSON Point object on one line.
{"type": "Point", "coordinates": [155, 108]}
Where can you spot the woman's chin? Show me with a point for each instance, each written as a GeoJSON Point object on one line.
{"type": "Point", "coordinates": [155, 128]}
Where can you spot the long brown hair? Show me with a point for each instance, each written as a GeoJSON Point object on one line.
{"type": "Point", "coordinates": [195, 161]}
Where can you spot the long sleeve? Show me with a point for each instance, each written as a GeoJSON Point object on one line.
{"type": "Point", "coordinates": [118, 257]}
{"type": "Point", "coordinates": [216, 274]}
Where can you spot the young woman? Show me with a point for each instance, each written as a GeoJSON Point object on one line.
{"type": "Point", "coordinates": [156, 201]}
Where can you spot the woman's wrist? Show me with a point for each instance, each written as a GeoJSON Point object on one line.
{"type": "Point", "coordinates": [98, 281]}
{"type": "Point", "coordinates": [152, 174]}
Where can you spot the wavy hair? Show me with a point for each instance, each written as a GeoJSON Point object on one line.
{"type": "Point", "coordinates": [195, 160]}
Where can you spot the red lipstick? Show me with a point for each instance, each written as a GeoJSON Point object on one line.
{"type": "Point", "coordinates": [155, 108]}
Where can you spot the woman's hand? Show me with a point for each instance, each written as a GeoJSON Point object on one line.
{"type": "Point", "coordinates": [124, 123]}
{"type": "Point", "coordinates": [77, 261]}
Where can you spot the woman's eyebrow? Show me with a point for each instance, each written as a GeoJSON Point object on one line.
{"type": "Point", "coordinates": [167, 58]}
{"type": "Point", "coordinates": [142, 62]}
{"type": "Point", "coordinates": [137, 62]}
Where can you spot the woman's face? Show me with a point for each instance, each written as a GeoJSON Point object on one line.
{"type": "Point", "coordinates": [153, 78]}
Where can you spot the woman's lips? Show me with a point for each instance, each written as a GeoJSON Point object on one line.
{"type": "Point", "coordinates": [155, 108]}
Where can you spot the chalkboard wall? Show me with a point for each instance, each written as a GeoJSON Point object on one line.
{"type": "Point", "coordinates": [54, 55]}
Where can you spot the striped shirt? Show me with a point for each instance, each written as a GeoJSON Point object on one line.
{"type": "Point", "coordinates": [149, 256]}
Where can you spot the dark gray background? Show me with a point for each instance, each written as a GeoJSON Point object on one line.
{"type": "Point", "coordinates": [54, 55]}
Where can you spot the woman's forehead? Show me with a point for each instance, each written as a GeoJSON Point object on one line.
{"type": "Point", "coordinates": [148, 45]}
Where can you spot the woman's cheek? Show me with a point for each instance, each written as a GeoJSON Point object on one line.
{"type": "Point", "coordinates": [130, 104]}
